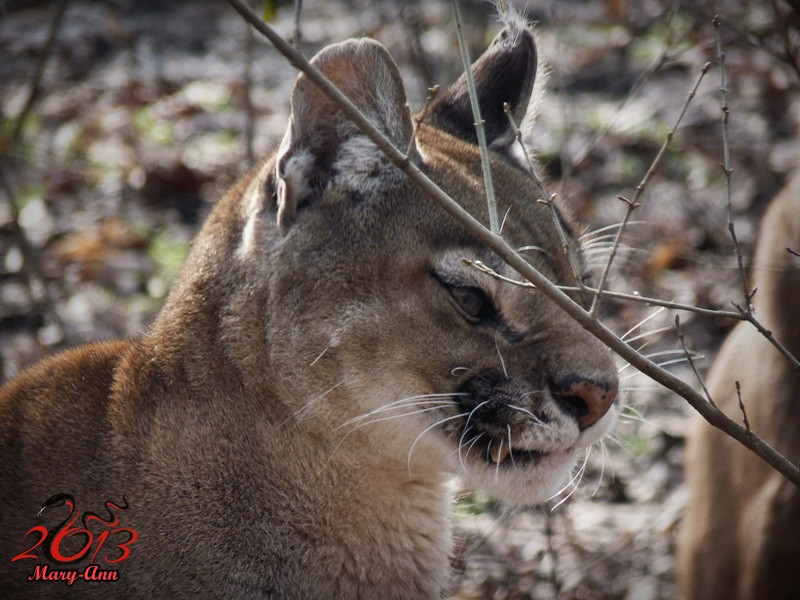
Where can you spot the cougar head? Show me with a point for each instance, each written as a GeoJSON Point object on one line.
{"type": "Point", "coordinates": [379, 334]}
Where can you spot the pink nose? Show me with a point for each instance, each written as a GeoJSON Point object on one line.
{"type": "Point", "coordinates": [587, 400]}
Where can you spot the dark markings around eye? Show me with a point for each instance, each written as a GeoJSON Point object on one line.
{"type": "Point", "coordinates": [475, 306]}
{"type": "Point", "coordinates": [473, 302]}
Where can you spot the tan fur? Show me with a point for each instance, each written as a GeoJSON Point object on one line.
{"type": "Point", "coordinates": [322, 287]}
{"type": "Point", "coordinates": [740, 537]}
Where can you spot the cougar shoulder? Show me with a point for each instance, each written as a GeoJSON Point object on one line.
{"type": "Point", "coordinates": [324, 365]}
{"type": "Point", "coordinates": [739, 535]}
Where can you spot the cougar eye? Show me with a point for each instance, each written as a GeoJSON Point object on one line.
{"type": "Point", "coordinates": [472, 301]}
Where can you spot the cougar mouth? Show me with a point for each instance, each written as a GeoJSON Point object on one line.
{"type": "Point", "coordinates": [498, 452]}
{"type": "Point", "coordinates": [510, 423]}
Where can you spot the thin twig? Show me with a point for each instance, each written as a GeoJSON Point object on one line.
{"type": "Point", "coordinates": [518, 136]}
{"type": "Point", "coordinates": [552, 550]}
{"type": "Point", "coordinates": [565, 244]}
{"type": "Point", "coordinates": [658, 63]}
{"type": "Point", "coordinates": [36, 82]}
{"type": "Point", "coordinates": [297, 34]}
{"type": "Point", "coordinates": [750, 318]}
{"type": "Point", "coordinates": [726, 166]}
{"type": "Point", "coordinates": [41, 301]}
{"type": "Point", "coordinates": [249, 110]}
{"type": "Point", "coordinates": [741, 406]}
{"type": "Point", "coordinates": [409, 16]}
{"type": "Point", "coordinates": [491, 202]}
{"type": "Point", "coordinates": [634, 203]}
{"type": "Point", "coordinates": [690, 360]}
{"type": "Point", "coordinates": [515, 261]}
{"type": "Point", "coordinates": [635, 297]}
{"type": "Point", "coordinates": [550, 202]}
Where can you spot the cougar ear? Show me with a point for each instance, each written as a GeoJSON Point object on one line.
{"type": "Point", "coordinates": [321, 145]}
{"type": "Point", "coordinates": [505, 73]}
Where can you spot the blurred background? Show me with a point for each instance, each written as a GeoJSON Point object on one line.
{"type": "Point", "coordinates": [123, 121]}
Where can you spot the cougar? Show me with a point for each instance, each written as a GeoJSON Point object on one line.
{"type": "Point", "coordinates": [740, 537]}
{"type": "Point", "coordinates": [324, 366]}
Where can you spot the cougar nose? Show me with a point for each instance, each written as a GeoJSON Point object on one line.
{"type": "Point", "coordinates": [585, 399]}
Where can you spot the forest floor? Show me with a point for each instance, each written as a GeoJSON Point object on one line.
{"type": "Point", "coordinates": [141, 122]}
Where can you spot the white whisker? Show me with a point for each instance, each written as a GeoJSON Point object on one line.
{"type": "Point", "coordinates": [631, 413]}
{"type": "Point", "coordinates": [502, 362]}
{"type": "Point", "coordinates": [503, 222]}
{"type": "Point", "coordinates": [575, 480]}
{"type": "Point", "coordinates": [467, 426]}
{"type": "Point", "coordinates": [613, 226]}
{"type": "Point", "coordinates": [404, 403]}
{"type": "Point", "coordinates": [536, 419]}
{"type": "Point", "coordinates": [662, 364]}
{"type": "Point", "coordinates": [497, 462]}
{"type": "Point", "coordinates": [534, 249]}
{"type": "Point", "coordinates": [510, 448]}
{"type": "Point", "coordinates": [321, 354]}
{"type": "Point", "coordinates": [398, 416]}
{"type": "Point", "coordinates": [460, 445]}
{"type": "Point", "coordinates": [310, 403]}
{"type": "Point", "coordinates": [662, 353]}
{"type": "Point", "coordinates": [426, 430]}
{"type": "Point", "coordinates": [642, 322]}
{"type": "Point", "coordinates": [472, 444]}
{"type": "Point", "coordinates": [604, 249]}
{"type": "Point", "coordinates": [603, 453]}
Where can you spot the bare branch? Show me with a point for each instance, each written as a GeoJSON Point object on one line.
{"type": "Point", "coordinates": [750, 318]}
{"type": "Point", "coordinates": [31, 267]}
{"type": "Point", "coordinates": [297, 34]}
{"type": "Point", "coordinates": [726, 166]}
{"type": "Point", "coordinates": [476, 113]}
{"type": "Point", "coordinates": [36, 82]}
{"type": "Point", "coordinates": [496, 243]}
{"type": "Point", "coordinates": [562, 235]}
{"type": "Point", "coordinates": [249, 110]}
{"type": "Point", "coordinates": [518, 136]}
{"type": "Point", "coordinates": [741, 406]}
{"type": "Point", "coordinates": [635, 297]}
{"type": "Point", "coordinates": [690, 360]}
{"type": "Point", "coordinates": [634, 203]}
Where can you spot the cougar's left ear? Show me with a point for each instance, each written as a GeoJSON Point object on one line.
{"type": "Point", "coordinates": [504, 73]}
{"type": "Point", "coordinates": [321, 147]}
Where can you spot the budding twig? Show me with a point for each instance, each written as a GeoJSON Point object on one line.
{"type": "Point", "coordinates": [249, 109]}
{"type": "Point", "coordinates": [476, 113]}
{"type": "Point", "coordinates": [634, 203]}
{"type": "Point", "coordinates": [726, 166]}
{"type": "Point", "coordinates": [741, 406]}
{"type": "Point", "coordinates": [518, 136]}
{"type": "Point", "coordinates": [35, 285]}
{"type": "Point", "coordinates": [750, 318]}
{"type": "Point", "coordinates": [690, 360]}
{"type": "Point", "coordinates": [549, 202]}
{"type": "Point", "coordinates": [41, 65]}
{"type": "Point", "coordinates": [565, 242]}
{"type": "Point", "coordinates": [635, 297]}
